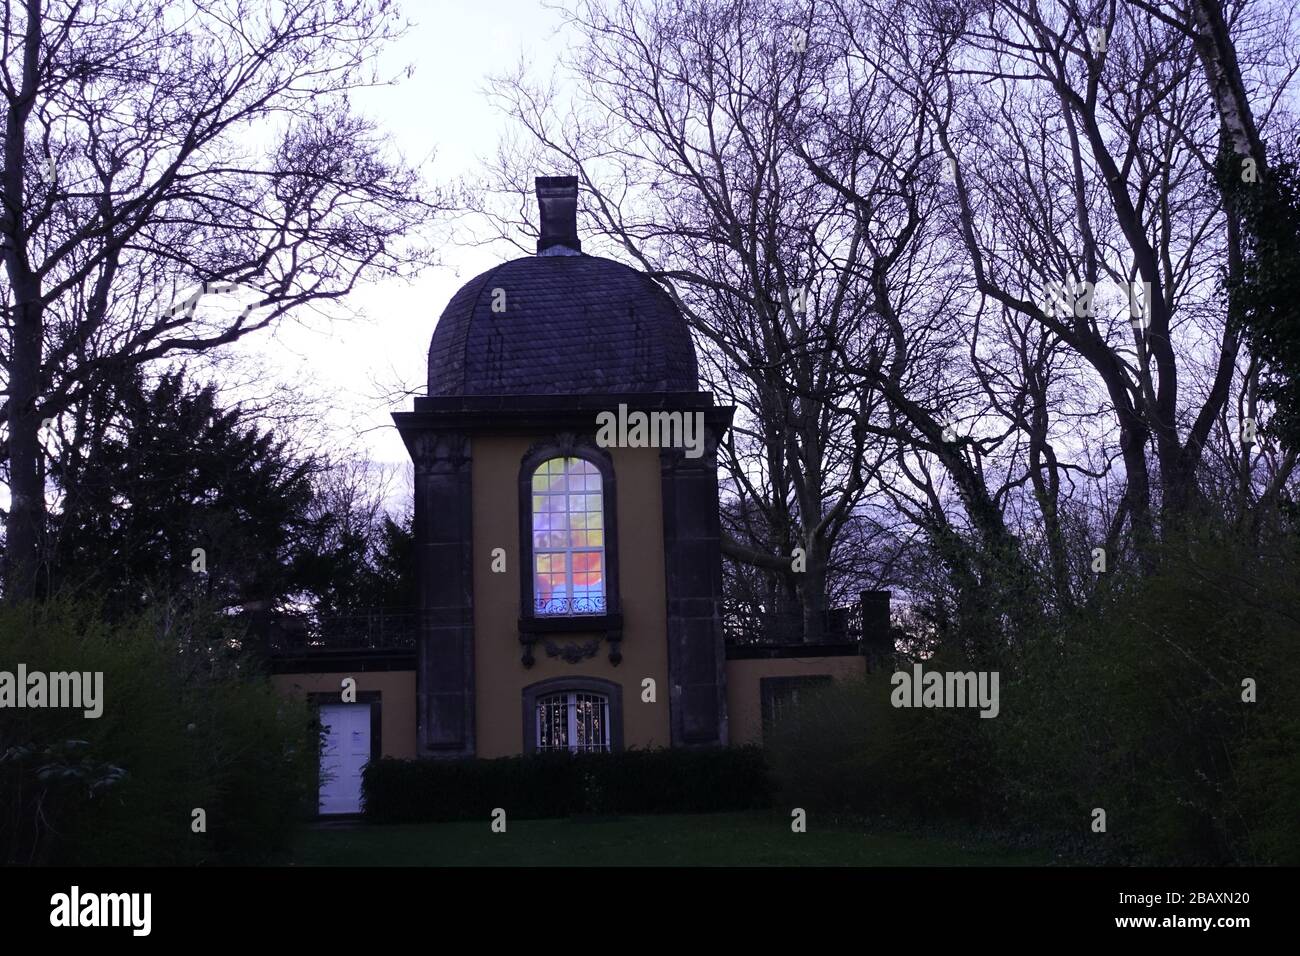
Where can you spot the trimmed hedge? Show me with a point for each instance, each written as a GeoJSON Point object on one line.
{"type": "Point", "coordinates": [560, 785]}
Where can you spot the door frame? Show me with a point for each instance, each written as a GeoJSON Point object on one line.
{"type": "Point", "coordinates": [372, 697]}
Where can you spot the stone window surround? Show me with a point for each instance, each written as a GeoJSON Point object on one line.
{"type": "Point", "coordinates": [531, 625]}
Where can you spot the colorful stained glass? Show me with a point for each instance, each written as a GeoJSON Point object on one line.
{"type": "Point", "coordinates": [568, 538]}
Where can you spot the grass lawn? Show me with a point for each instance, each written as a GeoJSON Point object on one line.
{"type": "Point", "coordinates": [718, 839]}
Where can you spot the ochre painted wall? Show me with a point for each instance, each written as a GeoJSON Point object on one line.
{"type": "Point", "coordinates": [499, 675]}
{"type": "Point", "coordinates": [744, 701]}
{"type": "Point", "coordinates": [397, 701]}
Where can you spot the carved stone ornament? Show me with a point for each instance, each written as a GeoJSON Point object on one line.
{"type": "Point", "coordinates": [573, 653]}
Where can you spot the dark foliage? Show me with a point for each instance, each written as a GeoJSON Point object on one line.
{"type": "Point", "coordinates": [366, 567]}
{"type": "Point", "coordinates": [1266, 300]}
{"type": "Point", "coordinates": [1135, 706]}
{"type": "Point", "coordinates": [172, 472]}
{"type": "Point", "coordinates": [178, 733]}
{"type": "Point", "coordinates": [171, 499]}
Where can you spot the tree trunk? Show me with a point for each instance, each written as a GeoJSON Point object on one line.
{"type": "Point", "coordinates": [1219, 58]}
{"type": "Point", "coordinates": [812, 592]}
{"type": "Point", "coordinates": [24, 529]}
{"type": "Point", "coordinates": [25, 526]}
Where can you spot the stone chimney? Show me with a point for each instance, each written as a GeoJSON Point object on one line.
{"type": "Point", "coordinates": [557, 198]}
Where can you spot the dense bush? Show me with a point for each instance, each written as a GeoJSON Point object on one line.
{"type": "Point", "coordinates": [179, 731]}
{"type": "Point", "coordinates": [847, 749]}
{"type": "Point", "coordinates": [1137, 709]}
{"type": "Point", "coordinates": [1134, 707]}
{"type": "Point", "coordinates": [560, 785]}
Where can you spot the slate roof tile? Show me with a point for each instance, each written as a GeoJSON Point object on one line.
{"type": "Point", "coordinates": [570, 325]}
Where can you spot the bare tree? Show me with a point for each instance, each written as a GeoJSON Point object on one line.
{"type": "Point", "coordinates": [927, 171]}
{"type": "Point", "coordinates": [685, 159]}
{"type": "Point", "coordinates": [155, 148]}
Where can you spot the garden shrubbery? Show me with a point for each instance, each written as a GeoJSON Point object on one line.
{"type": "Point", "coordinates": [181, 729]}
{"type": "Point", "coordinates": [1138, 709]}
{"type": "Point", "coordinates": [559, 785]}
{"type": "Point", "coordinates": [848, 750]}
{"type": "Point", "coordinates": [1134, 706]}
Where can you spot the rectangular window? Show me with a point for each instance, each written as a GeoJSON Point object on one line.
{"type": "Point", "coordinates": [780, 695]}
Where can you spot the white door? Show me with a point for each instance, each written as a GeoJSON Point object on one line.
{"type": "Point", "coordinates": [347, 749]}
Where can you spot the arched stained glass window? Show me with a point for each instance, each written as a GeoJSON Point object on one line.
{"type": "Point", "coordinates": [568, 542]}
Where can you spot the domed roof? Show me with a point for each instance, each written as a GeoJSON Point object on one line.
{"type": "Point", "coordinates": [561, 324]}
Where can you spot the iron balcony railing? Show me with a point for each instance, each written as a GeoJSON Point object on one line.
{"type": "Point", "coordinates": [367, 629]}
{"type": "Point", "coordinates": [744, 623]}
{"type": "Point", "coordinates": [398, 628]}
{"type": "Point", "coordinates": [569, 606]}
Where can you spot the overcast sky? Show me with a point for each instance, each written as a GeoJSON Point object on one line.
{"type": "Point", "coordinates": [443, 113]}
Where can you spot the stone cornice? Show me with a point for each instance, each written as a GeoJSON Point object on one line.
{"type": "Point", "coordinates": [486, 414]}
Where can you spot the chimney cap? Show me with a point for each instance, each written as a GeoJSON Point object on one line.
{"type": "Point", "coordinates": [569, 183]}
{"type": "Point", "coordinates": [557, 202]}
